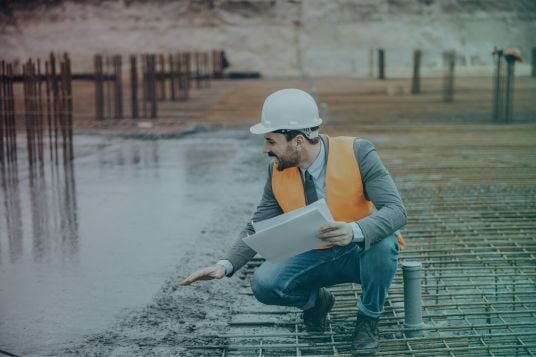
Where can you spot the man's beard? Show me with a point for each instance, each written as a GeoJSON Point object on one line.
{"type": "Point", "coordinates": [285, 163]}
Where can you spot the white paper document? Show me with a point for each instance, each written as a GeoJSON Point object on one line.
{"type": "Point", "coordinates": [291, 233]}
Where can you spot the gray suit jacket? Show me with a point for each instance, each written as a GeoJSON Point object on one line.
{"type": "Point", "coordinates": [389, 216]}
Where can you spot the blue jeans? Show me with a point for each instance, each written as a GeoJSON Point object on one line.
{"type": "Point", "coordinates": [297, 280]}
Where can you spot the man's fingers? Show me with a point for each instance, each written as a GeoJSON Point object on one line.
{"type": "Point", "coordinates": [329, 227]}
{"type": "Point", "coordinates": [190, 279]}
{"type": "Point", "coordinates": [203, 274]}
{"type": "Point", "coordinates": [325, 229]}
{"type": "Point", "coordinates": [193, 277]}
{"type": "Point", "coordinates": [186, 281]}
{"type": "Point", "coordinates": [330, 234]}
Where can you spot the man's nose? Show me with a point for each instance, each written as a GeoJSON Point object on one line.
{"type": "Point", "coordinates": [265, 149]}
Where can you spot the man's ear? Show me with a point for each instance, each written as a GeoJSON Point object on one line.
{"type": "Point", "coordinates": [299, 139]}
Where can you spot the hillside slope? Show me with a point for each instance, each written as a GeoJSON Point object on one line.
{"type": "Point", "coordinates": [276, 37]}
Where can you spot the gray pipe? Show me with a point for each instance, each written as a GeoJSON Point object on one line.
{"type": "Point", "coordinates": [412, 273]}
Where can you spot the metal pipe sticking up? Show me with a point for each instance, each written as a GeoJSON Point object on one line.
{"type": "Point", "coordinates": [448, 80]}
{"type": "Point", "coordinates": [512, 56]}
{"type": "Point", "coordinates": [381, 64]}
{"type": "Point", "coordinates": [416, 81]}
{"type": "Point", "coordinates": [504, 87]}
{"type": "Point", "coordinates": [412, 274]}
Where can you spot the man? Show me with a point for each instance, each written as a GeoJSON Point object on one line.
{"type": "Point", "coordinates": [360, 246]}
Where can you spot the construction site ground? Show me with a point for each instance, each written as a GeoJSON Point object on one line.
{"type": "Point", "coordinates": [469, 185]}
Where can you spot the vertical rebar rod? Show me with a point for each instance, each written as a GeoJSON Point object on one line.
{"type": "Point", "coordinates": [5, 100]}
{"type": "Point", "coordinates": [162, 76]}
{"type": "Point", "coordinates": [187, 74]}
{"type": "Point", "coordinates": [207, 69]}
{"type": "Point", "coordinates": [172, 75]}
{"type": "Point", "coordinates": [144, 61]}
{"type": "Point", "coordinates": [448, 81]}
{"type": "Point", "coordinates": [40, 113]}
{"type": "Point", "coordinates": [197, 61]}
{"type": "Point", "coordinates": [49, 109]}
{"type": "Point", "coordinates": [215, 68]}
{"type": "Point", "coordinates": [134, 86]}
{"type": "Point", "coordinates": [416, 82]}
{"type": "Point", "coordinates": [153, 85]}
{"type": "Point", "coordinates": [509, 90]}
{"type": "Point", "coordinates": [70, 121]}
{"type": "Point", "coordinates": [99, 88]}
{"type": "Point", "coordinates": [371, 62]}
{"type": "Point", "coordinates": [497, 90]}
{"type": "Point", "coordinates": [2, 118]}
{"type": "Point", "coordinates": [63, 111]}
{"type": "Point", "coordinates": [28, 112]}
{"type": "Point", "coordinates": [11, 115]}
{"type": "Point", "coordinates": [34, 110]}
{"type": "Point", "coordinates": [534, 62]}
{"type": "Point", "coordinates": [381, 64]}
{"type": "Point", "coordinates": [109, 87]}
{"type": "Point", "coordinates": [55, 105]}
{"type": "Point", "coordinates": [118, 88]}
{"type": "Point", "coordinates": [412, 274]}
{"type": "Point", "coordinates": [179, 66]}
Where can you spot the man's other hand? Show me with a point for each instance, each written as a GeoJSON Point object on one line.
{"type": "Point", "coordinates": [336, 233]}
{"type": "Point", "coordinates": [215, 271]}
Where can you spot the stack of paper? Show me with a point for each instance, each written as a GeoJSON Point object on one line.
{"type": "Point", "coordinates": [291, 233]}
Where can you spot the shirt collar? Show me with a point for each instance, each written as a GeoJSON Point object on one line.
{"type": "Point", "coordinates": [316, 167]}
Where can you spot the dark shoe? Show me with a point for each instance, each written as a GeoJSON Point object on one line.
{"type": "Point", "coordinates": [366, 334]}
{"type": "Point", "coordinates": [314, 319]}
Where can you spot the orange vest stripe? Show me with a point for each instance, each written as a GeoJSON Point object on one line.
{"type": "Point", "coordinates": [345, 196]}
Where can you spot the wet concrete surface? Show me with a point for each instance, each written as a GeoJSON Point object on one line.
{"type": "Point", "coordinates": [91, 255]}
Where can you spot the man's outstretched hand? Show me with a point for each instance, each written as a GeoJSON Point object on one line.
{"type": "Point", "coordinates": [336, 233]}
{"type": "Point", "coordinates": [215, 271]}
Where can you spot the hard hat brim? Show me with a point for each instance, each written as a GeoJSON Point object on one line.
{"type": "Point", "coordinates": [259, 128]}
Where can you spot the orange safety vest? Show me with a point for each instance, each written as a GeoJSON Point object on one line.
{"type": "Point", "coordinates": [345, 196]}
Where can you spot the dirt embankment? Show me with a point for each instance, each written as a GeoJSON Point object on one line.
{"type": "Point", "coordinates": [275, 37]}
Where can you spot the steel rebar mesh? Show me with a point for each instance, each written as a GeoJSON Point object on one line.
{"type": "Point", "coordinates": [478, 250]}
{"type": "Point", "coordinates": [479, 291]}
{"type": "Point", "coordinates": [471, 198]}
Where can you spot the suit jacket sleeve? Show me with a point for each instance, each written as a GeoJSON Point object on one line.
{"type": "Point", "coordinates": [240, 253]}
{"type": "Point", "coordinates": [390, 214]}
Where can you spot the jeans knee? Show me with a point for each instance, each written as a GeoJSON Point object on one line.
{"type": "Point", "coordinates": [265, 287]}
{"type": "Point", "coordinates": [381, 259]}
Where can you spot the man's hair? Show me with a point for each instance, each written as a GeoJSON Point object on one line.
{"type": "Point", "coordinates": [291, 134]}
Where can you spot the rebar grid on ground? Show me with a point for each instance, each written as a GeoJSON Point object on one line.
{"type": "Point", "coordinates": [478, 286]}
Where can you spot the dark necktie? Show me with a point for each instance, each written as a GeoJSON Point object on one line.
{"type": "Point", "coordinates": [309, 187]}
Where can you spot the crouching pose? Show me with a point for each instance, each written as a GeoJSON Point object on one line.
{"type": "Point", "coordinates": [360, 246]}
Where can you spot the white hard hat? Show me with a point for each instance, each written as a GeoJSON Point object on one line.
{"type": "Point", "coordinates": [287, 109]}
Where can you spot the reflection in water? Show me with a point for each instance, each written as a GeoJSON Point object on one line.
{"type": "Point", "coordinates": [91, 247]}
{"type": "Point", "coordinates": [39, 209]}
{"type": "Point", "coordinates": [67, 208]}
{"type": "Point", "coordinates": [53, 210]}
{"type": "Point", "coordinates": [61, 219]}
{"type": "Point", "coordinates": [11, 193]}
{"type": "Point", "coordinates": [132, 158]}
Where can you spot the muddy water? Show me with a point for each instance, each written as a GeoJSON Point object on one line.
{"type": "Point", "coordinates": [81, 246]}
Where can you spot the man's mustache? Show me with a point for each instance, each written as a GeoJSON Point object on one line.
{"type": "Point", "coordinates": [271, 154]}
